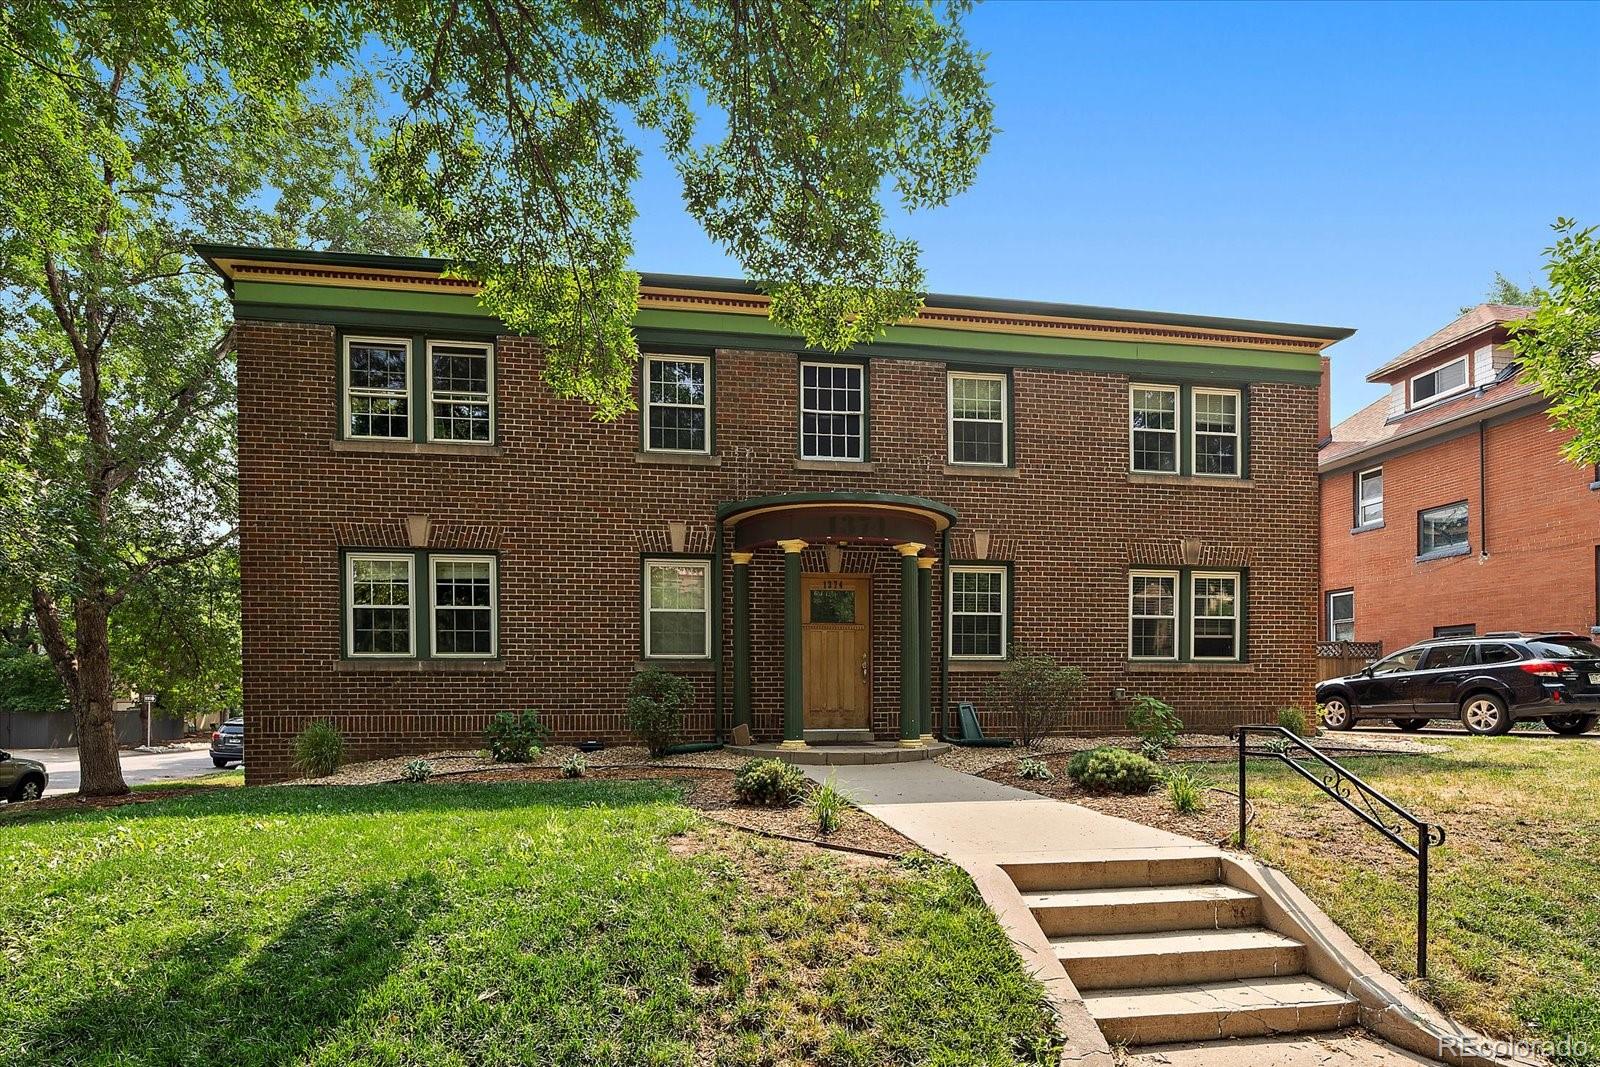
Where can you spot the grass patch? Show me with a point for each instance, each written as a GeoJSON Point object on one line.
{"type": "Point", "coordinates": [1515, 892]}
{"type": "Point", "coordinates": [217, 780]}
{"type": "Point", "coordinates": [564, 923]}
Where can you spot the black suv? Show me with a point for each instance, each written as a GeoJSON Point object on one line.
{"type": "Point", "coordinates": [227, 743]}
{"type": "Point", "coordinates": [1487, 682]}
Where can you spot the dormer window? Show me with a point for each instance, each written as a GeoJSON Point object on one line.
{"type": "Point", "coordinates": [1442, 381]}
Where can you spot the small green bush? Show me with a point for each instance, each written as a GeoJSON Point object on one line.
{"type": "Point", "coordinates": [827, 806]}
{"type": "Point", "coordinates": [1152, 749]}
{"type": "Point", "coordinates": [1296, 721]}
{"type": "Point", "coordinates": [1113, 770]}
{"type": "Point", "coordinates": [1186, 792]}
{"type": "Point", "coordinates": [574, 766]}
{"type": "Point", "coordinates": [656, 700]}
{"type": "Point", "coordinates": [1156, 723]}
{"type": "Point", "coordinates": [514, 738]}
{"type": "Point", "coordinates": [771, 783]}
{"type": "Point", "coordinates": [418, 770]}
{"type": "Point", "coordinates": [319, 750]}
{"type": "Point", "coordinates": [1034, 770]}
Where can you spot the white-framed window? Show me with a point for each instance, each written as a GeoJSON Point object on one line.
{"type": "Point", "coordinates": [1214, 618]}
{"type": "Point", "coordinates": [833, 411]}
{"type": "Point", "coordinates": [464, 614]}
{"type": "Point", "coordinates": [1216, 432]}
{"type": "Point", "coordinates": [677, 608]}
{"type": "Point", "coordinates": [461, 391]}
{"type": "Point", "coordinates": [677, 404]}
{"type": "Point", "coordinates": [1342, 615]}
{"type": "Point", "coordinates": [1153, 615]}
{"type": "Point", "coordinates": [1369, 497]}
{"type": "Point", "coordinates": [377, 388]}
{"type": "Point", "coordinates": [380, 592]}
{"type": "Point", "coordinates": [1153, 428]}
{"type": "Point", "coordinates": [978, 422]}
{"type": "Point", "coordinates": [978, 605]}
{"type": "Point", "coordinates": [1445, 380]}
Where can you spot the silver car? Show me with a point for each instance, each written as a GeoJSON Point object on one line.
{"type": "Point", "coordinates": [21, 779]}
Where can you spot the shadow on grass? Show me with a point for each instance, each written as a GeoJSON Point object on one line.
{"type": "Point", "coordinates": [198, 1003]}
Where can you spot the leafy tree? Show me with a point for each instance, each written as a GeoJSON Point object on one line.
{"type": "Point", "coordinates": [1506, 291]}
{"type": "Point", "coordinates": [1558, 343]}
{"type": "Point", "coordinates": [177, 635]}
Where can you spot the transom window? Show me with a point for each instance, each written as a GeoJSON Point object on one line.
{"type": "Point", "coordinates": [379, 596]}
{"type": "Point", "coordinates": [978, 418]}
{"type": "Point", "coordinates": [1342, 616]}
{"type": "Point", "coordinates": [1369, 497]}
{"type": "Point", "coordinates": [377, 388]}
{"type": "Point", "coordinates": [1216, 431]}
{"type": "Point", "coordinates": [1153, 429]}
{"type": "Point", "coordinates": [463, 605]}
{"type": "Point", "coordinates": [677, 404]}
{"type": "Point", "coordinates": [1439, 382]}
{"type": "Point", "coordinates": [1442, 529]}
{"type": "Point", "coordinates": [460, 383]}
{"type": "Point", "coordinates": [1215, 633]}
{"type": "Point", "coordinates": [978, 612]}
{"type": "Point", "coordinates": [1153, 615]}
{"type": "Point", "coordinates": [677, 615]}
{"type": "Point", "coordinates": [832, 411]}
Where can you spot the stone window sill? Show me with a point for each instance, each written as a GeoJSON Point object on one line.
{"type": "Point", "coordinates": [1445, 553]}
{"type": "Point", "coordinates": [416, 448]}
{"type": "Point", "coordinates": [1223, 481]}
{"type": "Point", "coordinates": [978, 470]}
{"type": "Point", "coordinates": [1368, 528]}
{"type": "Point", "coordinates": [690, 666]}
{"type": "Point", "coordinates": [418, 666]}
{"type": "Point", "coordinates": [856, 465]}
{"type": "Point", "coordinates": [978, 666]}
{"type": "Point", "coordinates": [677, 459]}
{"type": "Point", "coordinates": [1180, 667]}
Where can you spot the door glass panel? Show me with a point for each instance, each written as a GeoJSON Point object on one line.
{"type": "Point", "coordinates": [1448, 656]}
{"type": "Point", "coordinates": [1400, 661]}
{"type": "Point", "coordinates": [833, 605]}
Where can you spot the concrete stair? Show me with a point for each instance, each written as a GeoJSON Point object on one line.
{"type": "Point", "coordinates": [1163, 951]}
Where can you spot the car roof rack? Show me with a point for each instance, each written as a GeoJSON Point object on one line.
{"type": "Point", "coordinates": [1515, 634]}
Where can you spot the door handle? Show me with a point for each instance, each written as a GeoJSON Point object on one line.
{"type": "Point", "coordinates": [863, 667]}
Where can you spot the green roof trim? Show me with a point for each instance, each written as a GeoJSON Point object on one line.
{"type": "Point", "coordinates": [734, 508]}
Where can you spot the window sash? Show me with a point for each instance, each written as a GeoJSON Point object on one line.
{"type": "Point", "coordinates": [1436, 528]}
{"type": "Point", "coordinates": [703, 432]}
{"type": "Point", "coordinates": [1203, 438]}
{"type": "Point", "coordinates": [1154, 434]}
{"type": "Point", "coordinates": [1000, 419]}
{"type": "Point", "coordinates": [842, 427]}
{"type": "Point", "coordinates": [352, 565]}
{"type": "Point", "coordinates": [973, 604]}
{"type": "Point", "coordinates": [1342, 624]}
{"type": "Point", "coordinates": [651, 611]}
{"type": "Point", "coordinates": [491, 609]}
{"type": "Point", "coordinates": [466, 401]}
{"type": "Point", "coordinates": [1369, 506]}
{"type": "Point", "coordinates": [1435, 391]}
{"type": "Point", "coordinates": [1229, 581]}
{"type": "Point", "coordinates": [367, 396]}
{"type": "Point", "coordinates": [1135, 616]}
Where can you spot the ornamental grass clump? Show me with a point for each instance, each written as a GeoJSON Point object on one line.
{"type": "Point", "coordinates": [1296, 722]}
{"type": "Point", "coordinates": [1113, 770]}
{"type": "Point", "coordinates": [770, 783]}
{"type": "Point", "coordinates": [827, 806]}
{"type": "Point", "coordinates": [319, 750]}
{"type": "Point", "coordinates": [1186, 792]}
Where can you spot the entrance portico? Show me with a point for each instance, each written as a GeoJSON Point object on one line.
{"type": "Point", "coordinates": [829, 629]}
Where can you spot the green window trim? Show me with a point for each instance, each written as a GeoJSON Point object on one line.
{"type": "Point", "coordinates": [712, 587]}
{"type": "Point", "coordinates": [1183, 622]}
{"type": "Point", "coordinates": [1008, 605]}
{"type": "Point", "coordinates": [1186, 426]}
{"type": "Point", "coordinates": [419, 381]}
{"type": "Point", "coordinates": [422, 592]}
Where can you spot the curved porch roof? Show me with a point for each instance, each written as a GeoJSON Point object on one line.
{"type": "Point", "coordinates": [835, 518]}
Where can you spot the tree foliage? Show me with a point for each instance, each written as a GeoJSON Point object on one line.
{"type": "Point", "coordinates": [1559, 344]}
{"type": "Point", "coordinates": [1513, 294]}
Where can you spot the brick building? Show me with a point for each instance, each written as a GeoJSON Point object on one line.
{"type": "Point", "coordinates": [1447, 507]}
{"type": "Point", "coordinates": [818, 541]}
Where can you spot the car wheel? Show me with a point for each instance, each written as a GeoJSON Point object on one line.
{"type": "Point", "coordinates": [1410, 726]}
{"type": "Point", "coordinates": [1571, 724]}
{"type": "Point", "coordinates": [1336, 714]}
{"type": "Point", "coordinates": [215, 762]}
{"type": "Point", "coordinates": [1486, 715]}
{"type": "Point", "coordinates": [27, 789]}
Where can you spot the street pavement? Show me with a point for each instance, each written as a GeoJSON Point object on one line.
{"type": "Point", "coordinates": [189, 761]}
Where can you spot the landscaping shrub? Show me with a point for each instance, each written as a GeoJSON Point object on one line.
{"type": "Point", "coordinates": [1186, 792]}
{"type": "Point", "coordinates": [574, 766]}
{"type": "Point", "coordinates": [418, 770]}
{"type": "Point", "coordinates": [1297, 722]}
{"type": "Point", "coordinates": [319, 750]}
{"type": "Point", "coordinates": [771, 783]}
{"type": "Point", "coordinates": [827, 806]}
{"type": "Point", "coordinates": [1036, 690]}
{"type": "Point", "coordinates": [656, 700]}
{"type": "Point", "coordinates": [1113, 770]}
{"type": "Point", "coordinates": [1157, 725]}
{"type": "Point", "coordinates": [1034, 770]}
{"type": "Point", "coordinates": [514, 738]}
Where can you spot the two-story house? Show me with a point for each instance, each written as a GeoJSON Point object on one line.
{"type": "Point", "coordinates": [820, 541]}
{"type": "Point", "coordinates": [1447, 507]}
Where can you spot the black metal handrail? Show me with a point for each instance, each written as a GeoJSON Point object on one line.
{"type": "Point", "coordinates": [1365, 802]}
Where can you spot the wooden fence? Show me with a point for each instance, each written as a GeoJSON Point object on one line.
{"type": "Point", "coordinates": [1336, 658]}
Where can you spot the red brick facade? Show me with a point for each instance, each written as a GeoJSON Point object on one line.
{"type": "Point", "coordinates": [571, 506]}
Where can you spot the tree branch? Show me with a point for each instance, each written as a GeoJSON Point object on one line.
{"type": "Point", "coordinates": [143, 571]}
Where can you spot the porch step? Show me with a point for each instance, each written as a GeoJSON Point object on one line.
{"type": "Point", "coordinates": [1202, 866]}
{"type": "Point", "coordinates": [1211, 1010]}
{"type": "Point", "coordinates": [1141, 909]}
{"type": "Point", "coordinates": [1169, 957]}
{"type": "Point", "coordinates": [838, 737]}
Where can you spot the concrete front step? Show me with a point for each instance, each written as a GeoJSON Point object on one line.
{"type": "Point", "coordinates": [1206, 1011]}
{"type": "Point", "coordinates": [1169, 957]}
{"type": "Point", "coordinates": [838, 737]}
{"type": "Point", "coordinates": [1141, 909]}
{"type": "Point", "coordinates": [1202, 865]}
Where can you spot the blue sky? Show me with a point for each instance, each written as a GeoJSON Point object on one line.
{"type": "Point", "coordinates": [1358, 165]}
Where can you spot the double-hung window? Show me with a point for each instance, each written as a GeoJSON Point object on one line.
{"type": "Point", "coordinates": [1369, 497]}
{"type": "Point", "coordinates": [1185, 614]}
{"type": "Point", "coordinates": [380, 592]}
{"type": "Point", "coordinates": [677, 404]}
{"type": "Point", "coordinates": [1216, 431]}
{"type": "Point", "coordinates": [463, 605]}
{"type": "Point", "coordinates": [978, 605]}
{"type": "Point", "coordinates": [460, 385]}
{"type": "Point", "coordinates": [977, 418]}
{"type": "Point", "coordinates": [377, 400]}
{"type": "Point", "coordinates": [1153, 615]}
{"type": "Point", "coordinates": [1153, 428]}
{"type": "Point", "coordinates": [1439, 383]}
{"type": "Point", "coordinates": [1342, 615]}
{"type": "Point", "coordinates": [1443, 530]}
{"type": "Point", "coordinates": [455, 594]}
{"type": "Point", "coordinates": [833, 412]}
{"type": "Point", "coordinates": [1214, 633]}
{"type": "Point", "coordinates": [677, 608]}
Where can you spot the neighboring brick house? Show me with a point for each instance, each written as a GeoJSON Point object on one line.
{"type": "Point", "coordinates": [1447, 507]}
{"type": "Point", "coordinates": [429, 536]}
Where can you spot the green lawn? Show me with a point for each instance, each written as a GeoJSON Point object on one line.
{"type": "Point", "coordinates": [560, 923]}
{"type": "Point", "coordinates": [1515, 913]}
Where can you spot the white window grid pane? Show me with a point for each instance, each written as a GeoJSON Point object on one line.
{"type": "Point", "coordinates": [831, 411]}
{"type": "Point", "coordinates": [977, 419]}
{"type": "Point", "coordinates": [977, 613]}
{"type": "Point", "coordinates": [380, 606]}
{"type": "Point", "coordinates": [460, 383]}
{"type": "Point", "coordinates": [1153, 429]}
{"type": "Point", "coordinates": [678, 404]}
{"type": "Point", "coordinates": [377, 388]}
{"type": "Point", "coordinates": [463, 607]}
{"type": "Point", "coordinates": [1443, 379]}
{"type": "Point", "coordinates": [1214, 607]}
{"type": "Point", "coordinates": [677, 606]}
{"type": "Point", "coordinates": [1216, 432]}
{"type": "Point", "coordinates": [1370, 497]}
{"type": "Point", "coordinates": [1152, 616]}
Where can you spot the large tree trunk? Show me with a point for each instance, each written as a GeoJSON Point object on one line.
{"type": "Point", "coordinates": [99, 765]}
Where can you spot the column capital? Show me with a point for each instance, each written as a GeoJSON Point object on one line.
{"type": "Point", "coordinates": [910, 548]}
{"type": "Point", "coordinates": [925, 562]}
{"type": "Point", "coordinates": [794, 544]}
{"type": "Point", "coordinates": [741, 558]}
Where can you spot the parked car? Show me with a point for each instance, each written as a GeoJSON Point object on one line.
{"type": "Point", "coordinates": [1489, 683]}
{"type": "Point", "coordinates": [22, 779]}
{"type": "Point", "coordinates": [227, 743]}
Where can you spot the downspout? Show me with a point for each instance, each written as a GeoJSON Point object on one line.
{"type": "Point", "coordinates": [1483, 496]}
{"type": "Point", "coordinates": [716, 637]}
{"type": "Point", "coordinates": [944, 641]}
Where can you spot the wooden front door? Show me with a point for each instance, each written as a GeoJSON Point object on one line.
{"type": "Point", "coordinates": [837, 651]}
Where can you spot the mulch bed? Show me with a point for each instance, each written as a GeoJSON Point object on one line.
{"type": "Point", "coordinates": [74, 802]}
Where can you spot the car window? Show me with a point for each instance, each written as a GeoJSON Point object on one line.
{"type": "Point", "coordinates": [1488, 654]}
{"type": "Point", "coordinates": [1400, 661]}
{"type": "Point", "coordinates": [1565, 648]}
{"type": "Point", "coordinates": [1443, 656]}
